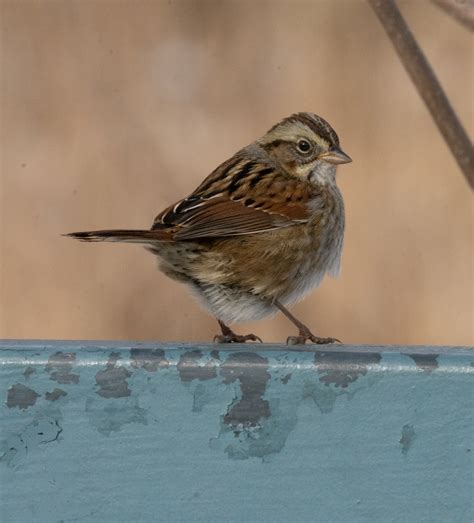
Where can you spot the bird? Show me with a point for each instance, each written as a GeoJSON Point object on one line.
{"type": "Point", "coordinates": [259, 233]}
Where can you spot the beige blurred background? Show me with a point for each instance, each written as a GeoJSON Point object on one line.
{"type": "Point", "coordinates": [112, 110]}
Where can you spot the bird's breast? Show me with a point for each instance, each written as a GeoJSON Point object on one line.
{"type": "Point", "coordinates": [322, 243]}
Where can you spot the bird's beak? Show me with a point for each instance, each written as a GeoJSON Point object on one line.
{"type": "Point", "coordinates": [335, 156]}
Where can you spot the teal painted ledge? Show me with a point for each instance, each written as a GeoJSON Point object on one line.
{"type": "Point", "coordinates": [111, 432]}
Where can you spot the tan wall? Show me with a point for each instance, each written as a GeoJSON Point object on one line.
{"type": "Point", "coordinates": [112, 110]}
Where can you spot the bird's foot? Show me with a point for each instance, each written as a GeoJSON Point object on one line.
{"type": "Point", "coordinates": [229, 336]}
{"type": "Point", "coordinates": [235, 338]}
{"type": "Point", "coordinates": [307, 335]}
{"type": "Point", "coordinates": [304, 333]}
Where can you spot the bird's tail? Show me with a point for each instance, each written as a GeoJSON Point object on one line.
{"type": "Point", "coordinates": [121, 235]}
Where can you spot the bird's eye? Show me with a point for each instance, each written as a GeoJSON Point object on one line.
{"type": "Point", "coordinates": [303, 146]}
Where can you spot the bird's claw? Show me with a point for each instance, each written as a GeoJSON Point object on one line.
{"type": "Point", "coordinates": [303, 337]}
{"type": "Point", "coordinates": [235, 338]}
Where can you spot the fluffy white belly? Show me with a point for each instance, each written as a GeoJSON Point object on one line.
{"type": "Point", "coordinates": [232, 306]}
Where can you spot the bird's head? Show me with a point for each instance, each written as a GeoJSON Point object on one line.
{"type": "Point", "coordinates": [306, 146]}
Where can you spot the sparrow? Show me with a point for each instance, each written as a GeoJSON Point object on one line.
{"type": "Point", "coordinates": [260, 232]}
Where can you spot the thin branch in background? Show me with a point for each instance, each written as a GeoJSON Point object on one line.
{"type": "Point", "coordinates": [427, 85]}
{"type": "Point", "coordinates": [461, 10]}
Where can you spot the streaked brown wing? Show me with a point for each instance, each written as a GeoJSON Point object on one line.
{"type": "Point", "coordinates": [229, 218]}
{"type": "Point", "coordinates": [242, 196]}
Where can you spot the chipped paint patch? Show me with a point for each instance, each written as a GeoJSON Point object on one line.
{"type": "Point", "coordinates": [28, 372]}
{"type": "Point", "coordinates": [44, 429]}
{"type": "Point", "coordinates": [112, 381]}
{"type": "Point", "coordinates": [246, 428]}
{"type": "Point", "coordinates": [150, 360]}
{"type": "Point", "coordinates": [407, 439]}
{"type": "Point", "coordinates": [342, 368]}
{"type": "Point", "coordinates": [426, 362]}
{"type": "Point", "coordinates": [115, 414]}
{"type": "Point", "coordinates": [60, 366]}
{"type": "Point", "coordinates": [324, 397]}
{"type": "Point", "coordinates": [191, 366]}
{"type": "Point", "coordinates": [199, 373]}
{"type": "Point", "coordinates": [55, 395]}
{"type": "Point", "coordinates": [252, 372]}
{"type": "Point", "coordinates": [21, 396]}
{"type": "Point", "coordinates": [260, 419]}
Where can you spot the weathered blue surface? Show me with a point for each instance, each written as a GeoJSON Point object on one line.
{"type": "Point", "coordinates": [99, 432]}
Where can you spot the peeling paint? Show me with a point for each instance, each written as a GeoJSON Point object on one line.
{"type": "Point", "coordinates": [59, 367]}
{"type": "Point", "coordinates": [150, 360]}
{"type": "Point", "coordinates": [55, 395]}
{"type": "Point", "coordinates": [324, 397]}
{"type": "Point", "coordinates": [191, 367]}
{"type": "Point", "coordinates": [215, 354]}
{"type": "Point", "coordinates": [254, 427]}
{"type": "Point", "coordinates": [115, 414]}
{"type": "Point", "coordinates": [426, 362]}
{"type": "Point", "coordinates": [200, 397]}
{"type": "Point", "coordinates": [28, 372]}
{"type": "Point", "coordinates": [21, 396]}
{"type": "Point", "coordinates": [341, 368]}
{"type": "Point", "coordinates": [45, 428]}
{"type": "Point", "coordinates": [255, 422]}
{"type": "Point", "coordinates": [112, 381]}
{"type": "Point", "coordinates": [407, 439]}
{"type": "Point", "coordinates": [252, 372]}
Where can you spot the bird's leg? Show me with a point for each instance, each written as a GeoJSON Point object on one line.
{"type": "Point", "coordinates": [303, 332]}
{"type": "Point", "coordinates": [229, 336]}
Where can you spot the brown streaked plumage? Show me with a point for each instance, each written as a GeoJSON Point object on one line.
{"type": "Point", "coordinates": [260, 231]}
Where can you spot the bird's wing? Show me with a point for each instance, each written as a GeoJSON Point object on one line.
{"type": "Point", "coordinates": [242, 196]}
